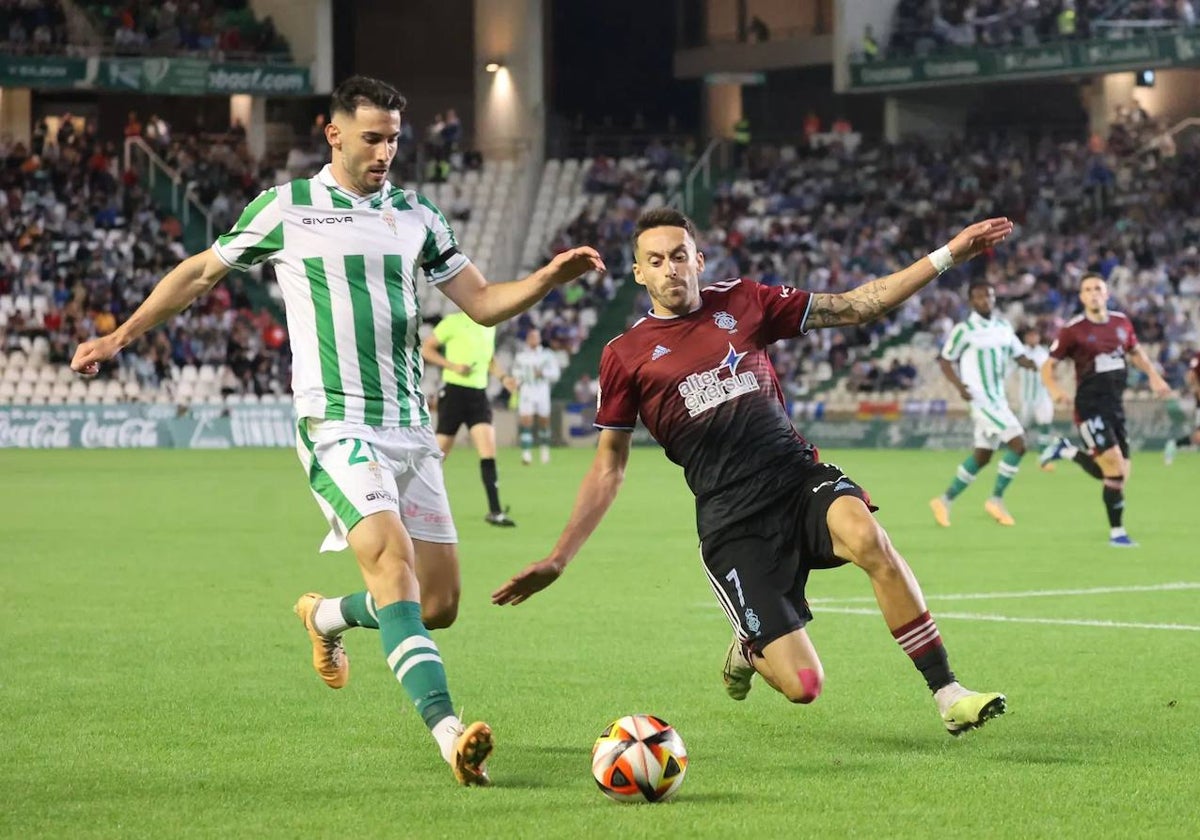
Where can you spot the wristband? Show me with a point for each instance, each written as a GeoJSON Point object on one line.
{"type": "Point", "coordinates": [942, 260]}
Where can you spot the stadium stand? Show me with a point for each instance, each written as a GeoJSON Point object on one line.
{"type": "Point", "coordinates": [924, 27]}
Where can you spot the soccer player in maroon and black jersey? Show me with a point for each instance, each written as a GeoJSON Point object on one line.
{"type": "Point", "coordinates": [1099, 342]}
{"type": "Point", "coordinates": [696, 371]}
{"type": "Point", "coordinates": [1192, 439]}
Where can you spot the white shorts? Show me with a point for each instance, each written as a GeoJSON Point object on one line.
{"type": "Point", "coordinates": [995, 425]}
{"type": "Point", "coordinates": [355, 470]}
{"type": "Point", "coordinates": [533, 402]}
{"type": "Point", "coordinates": [1038, 413]}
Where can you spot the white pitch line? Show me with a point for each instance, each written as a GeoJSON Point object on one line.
{"type": "Point", "coordinates": [1036, 593]}
{"type": "Point", "coordinates": [1076, 622]}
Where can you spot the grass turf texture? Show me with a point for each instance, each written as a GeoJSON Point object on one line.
{"type": "Point", "coordinates": [156, 684]}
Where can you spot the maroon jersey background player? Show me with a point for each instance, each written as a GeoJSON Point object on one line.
{"type": "Point", "coordinates": [706, 390]}
{"type": "Point", "coordinates": [1098, 351]}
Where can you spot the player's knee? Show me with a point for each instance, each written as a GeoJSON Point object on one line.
{"type": "Point", "coordinates": [805, 687]}
{"type": "Point", "coordinates": [1016, 446]}
{"type": "Point", "coordinates": [870, 546]}
{"type": "Point", "coordinates": [439, 612]}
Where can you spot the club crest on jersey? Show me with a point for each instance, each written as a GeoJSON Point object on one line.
{"type": "Point", "coordinates": [710, 388]}
{"type": "Point", "coordinates": [389, 219]}
{"type": "Point", "coordinates": [725, 321]}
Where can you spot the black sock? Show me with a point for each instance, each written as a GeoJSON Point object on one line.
{"type": "Point", "coordinates": [1186, 440]}
{"type": "Point", "coordinates": [487, 470]}
{"type": "Point", "coordinates": [1114, 503]}
{"type": "Point", "coordinates": [1089, 466]}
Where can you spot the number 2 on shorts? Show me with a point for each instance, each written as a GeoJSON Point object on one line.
{"type": "Point", "coordinates": [733, 576]}
{"type": "Point", "coordinates": [356, 456]}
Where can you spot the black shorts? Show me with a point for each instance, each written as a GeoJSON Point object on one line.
{"type": "Point", "coordinates": [458, 405]}
{"type": "Point", "coordinates": [1102, 428]}
{"type": "Point", "coordinates": [758, 567]}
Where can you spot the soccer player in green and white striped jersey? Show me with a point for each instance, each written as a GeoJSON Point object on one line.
{"type": "Point", "coordinates": [982, 347]}
{"type": "Point", "coordinates": [1037, 406]}
{"type": "Point", "coordinates": [346, 245]}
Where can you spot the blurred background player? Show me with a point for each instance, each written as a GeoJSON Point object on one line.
{"type": "Point", "coordinates": [1037, 406]}
{"type": "Point", "coordinates": [981, 348]}
{"type": "Point", "coordinates": [535, 368]}
{"type": "Point", "coordinates": [1099, 341]}
{"type": "Point", "coordinates": [363, 436]}
{"type": "Point", "coordinates": [466, 353]}
{"type": "Point", "coordinates": [1192, 439]}
{"type": "Point", "coordinates": [767, 510]}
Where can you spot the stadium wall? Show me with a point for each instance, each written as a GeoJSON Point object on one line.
{"type": "Point", "coordinates": [138, 426]}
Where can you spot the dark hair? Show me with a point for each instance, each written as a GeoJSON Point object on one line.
{"type": "Point", "coordinates": [357, 91]}
{"type": "Point", "coordinates": [662, 217]}
{"type": "Point", "coordinates": [978, 284]}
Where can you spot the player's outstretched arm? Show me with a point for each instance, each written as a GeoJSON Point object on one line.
{"type": "Point", "coordinates": [1143, 363]}
{"type": "Point", "coordinates": [872, 300]}
{"type": "Point", "coordinates": [189, 280]}
{"type": "Point", "coordinates": [490, 303]}
{"type": "Point", "coordinates": [595, 497]}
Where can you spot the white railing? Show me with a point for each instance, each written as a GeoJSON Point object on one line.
{"type": "Point", "coordinates": [1156, 142]}
{"type": "Point", "coordinates": [137, 151]}
{"type": "Point", "coordinates": [701, 171]}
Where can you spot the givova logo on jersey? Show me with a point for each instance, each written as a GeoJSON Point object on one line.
{"type": "Point", "coordinates": [709, 389]}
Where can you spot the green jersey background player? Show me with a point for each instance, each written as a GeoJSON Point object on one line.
{"type": "Point", "coordinates": [346, 245]}
{"type": "Point", "coordinates": [975, 359]}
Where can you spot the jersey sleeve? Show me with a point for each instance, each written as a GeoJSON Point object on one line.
{"type": "Point", "coordinates": [784, 310]}
{"type": "Point", "coordinates": [440, 257]}
{"type": "Point", "coordinates": [1063, 342]}
{"type": "Point", "coordinates": [256, 236]}
{"type": "Point", "coordinates": [1131, 340]}
{"type": "Point", "coordinates": [552, 372]}
{"type": "Point", "coordinates": [1018, 349]}
{"type": "Point", "coordinates": [617, 400]}
{"type": "Point", "coordinates": [955, 343]}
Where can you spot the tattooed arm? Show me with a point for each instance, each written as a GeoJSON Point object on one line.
{"type": "Point", "coordinates": [872, 300]}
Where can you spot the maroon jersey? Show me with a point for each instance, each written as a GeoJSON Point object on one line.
{"type": "Point", "coordinates": [1098, 351]}
{"type": "Point", "coordinates": [705, 389]}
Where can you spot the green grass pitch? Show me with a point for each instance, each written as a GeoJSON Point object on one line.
{"type": "Point", "coordinates": [154, 682]}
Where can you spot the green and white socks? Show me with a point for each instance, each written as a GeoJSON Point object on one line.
{"type": "Point", "coordinates": [411, 654]}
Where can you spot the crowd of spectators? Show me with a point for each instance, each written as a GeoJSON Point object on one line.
{"type": "Point", "coordinates": [84, 236]}
{"type": "Point", "coordinates": [831, 219]}
{"type": "Point", "coordinates": [221, 29]}
{"type": "Point", "coordinates": [920, 27]}
{"type": "Point", "coordinates": [32, 27]}
{"type": "Point", "coordinates": [213, 28]}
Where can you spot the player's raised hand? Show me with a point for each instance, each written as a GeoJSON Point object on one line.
{"type": "Point", "coordinates": [974, 240]}
{"type": "Point", "coordinates": [533, 578]}
{"type": "Point", "coordinates": [90, 354]}
{"type": "Point", "coordinates": [576, 262]}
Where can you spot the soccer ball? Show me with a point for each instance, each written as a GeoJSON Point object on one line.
{"type": "Point", "coordinates": [639, 758]}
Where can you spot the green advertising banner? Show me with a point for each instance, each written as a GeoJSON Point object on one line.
{"type": "Point", "coordinates": [157, 75]}
{"type": "Point", "coordinates": [269, 79]}
{"type": "Point", "coordinates": [38, 72]}
{"type": "Point", "coordinates": [171, 76]}
{"type": "Point", "coordinates": [1132, 53]}
{"type": "Point", "coordinates": [146, 426]}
